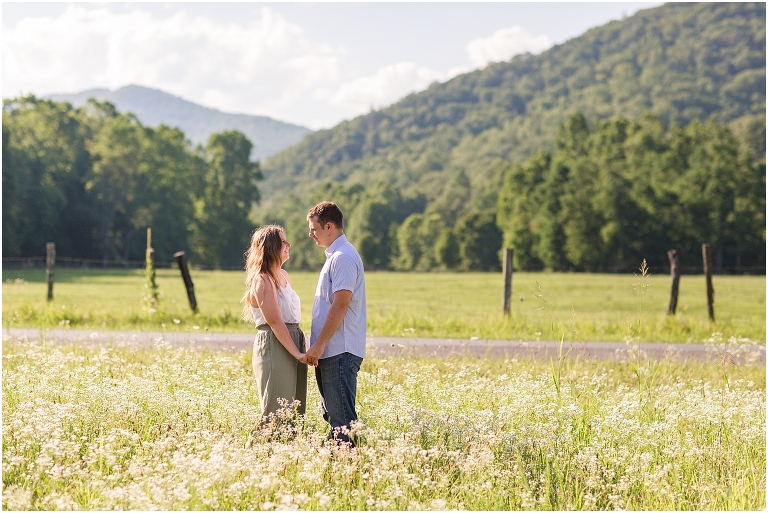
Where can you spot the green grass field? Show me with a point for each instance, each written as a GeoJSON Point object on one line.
{"type": "Point", "coordinates": [577, 307]}
{"type": "Point", "coordinates": [116, 428]}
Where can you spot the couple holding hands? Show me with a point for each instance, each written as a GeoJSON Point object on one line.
{"type": "Point", "coordinates": [337, 334]}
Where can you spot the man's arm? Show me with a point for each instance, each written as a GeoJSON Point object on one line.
{"type": "Point", "coordinates": [341, 300]}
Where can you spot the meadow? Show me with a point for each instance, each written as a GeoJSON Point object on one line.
{"type": "Point", "coordinates": [164, 428]}
{"type": "Point", "coordinates": [545, 306]}
{"type": "Point", "coordinates": [116, 427]}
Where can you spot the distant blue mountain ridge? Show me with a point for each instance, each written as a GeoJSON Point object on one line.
{"type": "Point", "coordinates": [154, 107]}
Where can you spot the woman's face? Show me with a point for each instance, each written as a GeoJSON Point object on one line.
{"type": "Point", "coordinates": [285, 250]}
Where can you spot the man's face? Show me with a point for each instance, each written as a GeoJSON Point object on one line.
{"type": "Point", "coordinates": [320, 233]}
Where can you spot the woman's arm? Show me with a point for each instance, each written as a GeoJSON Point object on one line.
{"type": "Point", "coordinates": [266, 299]}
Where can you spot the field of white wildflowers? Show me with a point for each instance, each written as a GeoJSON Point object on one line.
{"type": "Point", "coordinates": [164, 428]}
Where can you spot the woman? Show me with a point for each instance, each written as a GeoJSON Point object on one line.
{"type": "Point", "coordinates": [279, 362]}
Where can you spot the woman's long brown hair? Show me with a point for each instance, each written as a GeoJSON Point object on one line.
{"type": "Point", "coordinates": [262, 257]}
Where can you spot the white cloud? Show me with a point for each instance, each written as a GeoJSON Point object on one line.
{"type": "Point", "coordinates": [264, 64]}
{"type": "Point", "coordinates": [257, 66]}
{"type": "Point", "coordinates": [387, 85]}
{"type": "Point", "coordinates": [504, 44]}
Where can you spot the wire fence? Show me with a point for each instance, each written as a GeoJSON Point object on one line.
{"type": "Point", "coordinates": [691, 270]}
{"type": "Point", "coordinates": [38, 262]}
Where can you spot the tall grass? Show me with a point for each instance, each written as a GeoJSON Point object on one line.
{"type": "Point", "coordinates": [164, 428]}
{"type": "Point", "coordinates": [454, 305]}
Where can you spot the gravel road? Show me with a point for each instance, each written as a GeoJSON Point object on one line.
{"type": "Point", "coordinates": [406, 346]}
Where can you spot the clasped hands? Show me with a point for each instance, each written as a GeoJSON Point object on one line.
{"type": "Point", "coordinates": [312, 356]}
{"type": "Point", "coordinates": [303, 359]}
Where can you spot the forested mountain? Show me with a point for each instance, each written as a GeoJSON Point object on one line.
{"type": "Point", "coordinates": [153, 107]}
{"type": "Point", "coordinates": [445, 150]}
{"type": "Point", "coordinates": [679, 61]}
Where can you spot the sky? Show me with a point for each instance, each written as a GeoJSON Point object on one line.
{"type": "Point", "coordinates": [313, 64]}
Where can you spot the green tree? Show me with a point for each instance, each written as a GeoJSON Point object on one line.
{"type": "Point", "coordinates": [44, 167]}
{"type": "Point", "coordinates": [723, 189]}
{"type": "Point", "coordinates": [371, 231]}
{"type": "Point", "coordinates": [432, 227]}
{"type": "Point", "coordinates": [454, 198]}
{"type": "Point", "coordinates": [447, 254]}
{"type": "Point", "coordinates": [13, 206]}
{"type": "Point", "coordinates": [479, 241]}
{"type": "Point", "coordinates": [119, 182]}
{"type": "Point", "coordinates": [416, 240]}
{"type": "Point", "coordinates": [174, 174]}
{"type": "Point", "coordinates": [221, 231]}
{"type": "Point", "coordinates": [549, 248]}
{"type": "Point", "coordinates": [372, 224]}
{"type": "Point", "coordinates": [409, 243]}
{"type": "Point", "coordinates": [518, 205]}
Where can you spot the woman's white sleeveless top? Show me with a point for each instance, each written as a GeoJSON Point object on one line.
{"type": "Point", "coordinates": [289, 303]}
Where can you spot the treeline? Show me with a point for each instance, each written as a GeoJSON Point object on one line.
{"type": "Point", "coordinates": [624, 190]}
{"type": "Point", "coordinates": [92, 180]}
{"type": "Point", "coordinates": [608, 196]}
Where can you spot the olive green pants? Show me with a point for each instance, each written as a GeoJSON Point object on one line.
{"type": "Point", "coordinates": [278, 374]}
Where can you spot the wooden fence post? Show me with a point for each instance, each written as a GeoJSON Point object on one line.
{"type": "Point", "coordinates": [181, 259]}
{"type": "Point", "coordinates": [674, 271]}
{"type": "Point", "coordinates": [50, 264]}
{"type": "Point", "coordinates": [706, 253]}
{"type": "Point", "coordinates": [150, 273]}
{"type": "Point", "coordinates": [507, 272]}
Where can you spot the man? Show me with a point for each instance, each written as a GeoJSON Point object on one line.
{"type": "Point", "coordinates": [337, 335]}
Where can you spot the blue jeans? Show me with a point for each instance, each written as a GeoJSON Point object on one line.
{"type": "Point", "coordinates": [337, 381]}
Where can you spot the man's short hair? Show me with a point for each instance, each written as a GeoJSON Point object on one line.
{"type": "Point", "coordinates": [327, 212]}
